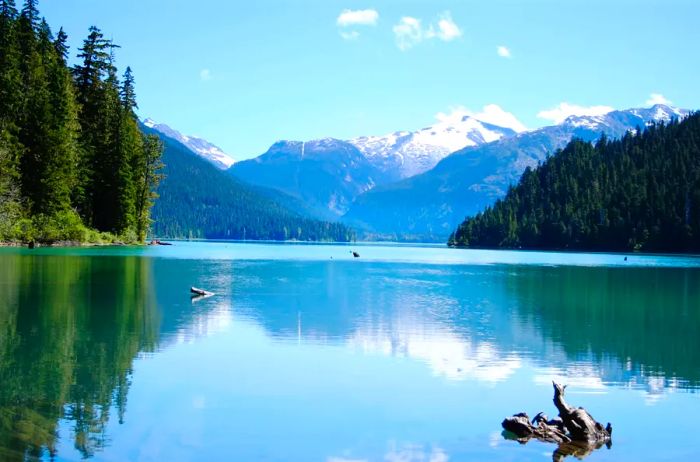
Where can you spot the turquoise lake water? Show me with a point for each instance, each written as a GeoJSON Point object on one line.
{"type": "Point", "coordinates": [304, 353]}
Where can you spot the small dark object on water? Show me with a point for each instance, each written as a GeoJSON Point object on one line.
{"type": "Point", "coordinates": [159, 242]}
{"type": "Point", "coordinates": [355, 254]}
{"type": "Point", "coordinates": [575, 431]}
{"type": "Point", "coordinates": [625, 258]}
{"type": "Point", "coordinates": [202, 292]}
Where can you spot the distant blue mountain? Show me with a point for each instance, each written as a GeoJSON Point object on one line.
{"type": "Point", "coordinates": [325, 174]}
{"type": "Point", "coordinates": [430, 205]}
{"type": "Point", "coordinates": [199, 200]}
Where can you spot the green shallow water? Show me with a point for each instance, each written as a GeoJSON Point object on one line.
{"type": "Point", "coordinates": [306, 354]}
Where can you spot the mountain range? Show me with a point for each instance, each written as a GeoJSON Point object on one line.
{"type": "Point", "coordinates": [198, 200]}
{"type": "Point", "coordinates": [412, 185]}
{"type": "Point", "coordinates": [325, 174]}
{"type": "Point", "coordinates": [432, 204]}
{"type": "Point", "coordinates": [199, 146]}
{"type": "Point", "coordinates": [404, 154]}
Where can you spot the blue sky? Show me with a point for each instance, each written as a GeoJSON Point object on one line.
{"type": "Point", "coordinates": [245, 74]}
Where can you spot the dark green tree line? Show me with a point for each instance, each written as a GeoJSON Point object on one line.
{"type": "Point", "coordinates": [72, 156]}
{"type": "Point", "coordinates": [641, 192]}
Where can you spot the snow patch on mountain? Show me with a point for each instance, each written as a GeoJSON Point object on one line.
{"type": "Point", "coordinates": [406, 154]}
{"type": "Point", "coordinates": [199, 146]}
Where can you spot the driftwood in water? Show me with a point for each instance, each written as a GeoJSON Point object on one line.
{"type": "Point", "coordinates": [203, 292]}
{"type": "Point", "coordinates": [575, 431]}
{"type": "Point", "coordinates": [545, 430]}
{"type": "Point", "coordinates": [580, 424]}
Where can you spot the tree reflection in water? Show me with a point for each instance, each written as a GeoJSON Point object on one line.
{"type": "Point", "coordinates": [69, 330]}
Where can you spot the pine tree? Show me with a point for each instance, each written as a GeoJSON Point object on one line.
{"type": "Point", "coordinates": [11, 88]}
{"type": "Point", "coordinates": [147, 177]}
{"type": "Point", "coordinates": [93, 99]}
{"type": "Point", "coordinates": [61, 45]}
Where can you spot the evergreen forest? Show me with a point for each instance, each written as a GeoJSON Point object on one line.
{"type": "Point", "coordinates": [641, 192]}
{"type": "Point", "coordinates": [74, 164]}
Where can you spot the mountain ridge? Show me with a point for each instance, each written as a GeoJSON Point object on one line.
{"type": "Point", "coordinates": [199, 146]}
{"type": "Point", "coordinates": [435, 202]}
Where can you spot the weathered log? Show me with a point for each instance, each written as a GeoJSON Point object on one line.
{"type": "Point", "coordinates": [575, 431]}
{"type": "Point", "coordinates": [520, 426]}
{"type": "Point", "coordinates": [578, 422]}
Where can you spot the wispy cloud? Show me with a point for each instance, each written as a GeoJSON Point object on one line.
{"type": "Point", "coordinates": [349, 19]}
{"type": "Point", "coordinates": [409, 31]}
{"type": "Point", "coordinates": [349, 35]}
{"type": "Point", "coordinates": [657, 98]}
{"type": "Point", "coordinates": [205, 75]}
{"type": "Point", "coordinates": [357, 17]}
{"type": "Point", "coordinates": [447, 29]}
{"type": "Point", "coordinates": [559, 113]}
{"type": "Point", "coordinates": [503, 52]}
{"type": "Point", "coordinates": [491, 114]}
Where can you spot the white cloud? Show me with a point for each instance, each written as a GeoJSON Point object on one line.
{"type": "Point", "coordinates": [657, 98]}
{"type": "Point", "coordinates": [447, 30]}
{"type": "Point", "coordinates": [351, 18]}
{"type": "Point", "coordinates": [491, 114]}
{"type": "Point", "coordinates": [349, 35]}
{"type": "Point", "coordinates": [357, 18]}
{"type": "Point", "coordinates": [205, 75]}
{"type": "Point", "coordinates": [503, 52]}
{"type": "Point", "coordinates": [559, 113]}
{"type": "Point", "coordinates": [409, 31]}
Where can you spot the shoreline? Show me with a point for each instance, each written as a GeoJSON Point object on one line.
{"type": "Point", "coordinates": [65, 244]}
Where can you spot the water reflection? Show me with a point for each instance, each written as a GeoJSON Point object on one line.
{"type": "Point", "coordinates": [638, 326]}
{"type": "Point", "coordinates": [71, 327]}
{"type": "Point", "coordinates": [633, 327]}
{"type": "Point", "coordinates": [69, 330]}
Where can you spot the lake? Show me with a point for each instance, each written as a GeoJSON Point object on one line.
{"type": "Point", "coordinates": [304, 353]}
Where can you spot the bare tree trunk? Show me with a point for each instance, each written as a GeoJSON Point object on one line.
{"type": "Point", "coordinates": [579, 423]}
{"type": "Point", "coordinates": [575, 431]}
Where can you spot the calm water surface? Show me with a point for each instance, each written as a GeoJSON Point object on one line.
{"type": "Point", "coordinates": [306, 354]}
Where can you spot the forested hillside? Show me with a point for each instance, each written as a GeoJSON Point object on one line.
{"type": "Point", "coordinates": [641, 192]}
{"type": "Point", "coordinates": [197, 200]}
{"type": "Point", "coordinates": [72, 157]}
{"type": "Point", "coordinates": [431, 205]}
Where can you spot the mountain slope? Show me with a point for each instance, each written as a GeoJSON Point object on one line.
{"type": "Point", "coordinates": [199, 201]}
{"type": "Point", "coordinates": [638, 193]}
{"type": "Point", "coordinates": [404, 154]}
{"type": "Point", "coordinates": [325, 174]}
{"type": "Point", "coordinates": [199, 146]}
{"type": "Point", "coordinates": [431, 205]}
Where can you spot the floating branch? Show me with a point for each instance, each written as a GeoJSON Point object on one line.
{"type": "Point", "coordinates": [575, 431]}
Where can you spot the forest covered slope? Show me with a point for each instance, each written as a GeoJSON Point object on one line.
{"type": "Point", "coordinates": [641, 192]}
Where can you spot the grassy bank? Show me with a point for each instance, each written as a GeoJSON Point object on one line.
{"type": "Point", "coordinates": [64, 229]}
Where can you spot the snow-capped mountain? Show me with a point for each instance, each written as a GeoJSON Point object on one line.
{"type": "Point", "coordinates": [199, 146]}
{"type": "Point", "coordinates": [403, 154]}
{"type": "Point", "coordinates": [466, 181]}
{"type": "Point", "coordinates": [616, 123]}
